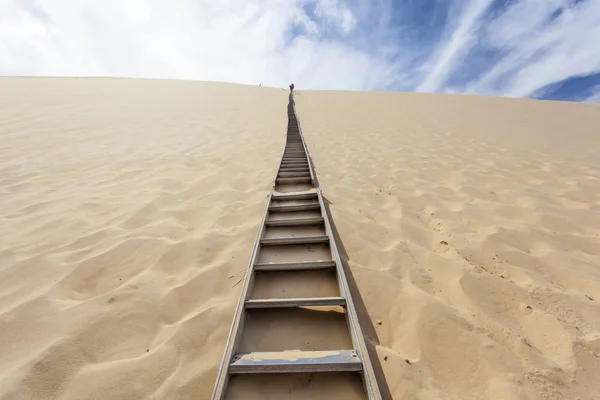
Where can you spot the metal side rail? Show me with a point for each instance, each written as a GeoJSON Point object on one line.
{"type": "Point", "coordinates": [295, 276]}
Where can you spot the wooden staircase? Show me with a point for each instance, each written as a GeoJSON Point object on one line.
{"type": "Point", "coordinates": [295, 253]}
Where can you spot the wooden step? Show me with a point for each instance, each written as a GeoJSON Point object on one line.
{"type": "Point", "coordinates": [298, 302]}
{"type": "Point", "coordinates": [284, 174]}
{"type": "Point", "coordinates": [295, 361]}
{"type": "Point", "coordinates": [294, 169]}
{"type": "Point", "coordinates": [294, 240]}
{"type": "Point", "coordinates": [294, 221]}
{"type": "Point", "coordinates": [295, 196]}
{"type": "Point", "coordinates": [295, 266]}
{"type": "Point", "coordinates": [293, 180]}
{"type": "Point", "coordinates": [295, 207]}
{"type": "Point", "coordinates": [294, 164]}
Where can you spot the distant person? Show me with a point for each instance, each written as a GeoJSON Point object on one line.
{"type": "Point", "coordinates": [292, 88]}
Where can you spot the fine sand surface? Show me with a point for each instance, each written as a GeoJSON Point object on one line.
{"type": "Point", "coordinates": [472, 227]}
{"type": "Point", "coordinates": [128, 211]}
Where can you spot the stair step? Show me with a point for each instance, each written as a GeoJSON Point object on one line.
{"type": "Point", "coordinates": [295, 266]}
{"type": "Point", "coordinates": [295, 196]}
{"type": "Point", "coordinates": [291, 361]}
{"type": "Point", "coordinates": [284, 174]}
{"type": "Point", "coordinates": [293, 180]}
{"type": "Point", "coordinates": [294, 221]}
{"type": "Point", "coordinates": [294, 240]}
{"type": "Point", "coordinates": [294, 169]}
{"type": "Point", "coordinates": [295, 207]}
{"type": "Point", "coordinates": [294, 165]}
{"type": "Point", "coordinates": [298, 302]}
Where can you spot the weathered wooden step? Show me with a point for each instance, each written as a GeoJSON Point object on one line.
{"type": "Point", "coordinates": [294, 169]}
{"type": "Point", "coordinates": [294, 240]}
{"type": "Point", "coordinates": [285, 166]}
{"type": "Point", "coordinates": [293, 180]}
{"type": "Point", "coordinates": [294, 221]}
{"type": "Point", "coordinates": [294, 164]}
{"type": "Point", "coordinates": [295, 196]}
{"type": "Point", "coordinates": [284, 174]}
{"type": "Point", "coordinates": [297, 302]}
{"type": "Point", "coordinates": [295, 266]}
{"type": "Point", "coordinates": [295, 207]}
{"type": "Point", "coordinates": [292, 361]}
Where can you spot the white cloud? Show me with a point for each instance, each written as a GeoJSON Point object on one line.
{"type": "Point", "coordinates": [544, 42]}
{"type": "Point", "coordinates": [258, 41]}
{"type": "Point", "coordinates": [319, 44]}
{"type": "Point", "coordinates": [337, 13]}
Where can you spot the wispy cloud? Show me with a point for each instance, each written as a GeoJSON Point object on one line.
{"type": "Point", "coordinates": [519, 48]}
{"type": "Point", "coordinates": [461, 41]}
{"type": "Point", "coordinates": [595, 96]}
{"type": "Point", "coordinates": [543, 42]}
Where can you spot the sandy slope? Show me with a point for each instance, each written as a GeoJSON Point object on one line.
{"type": "Point", "coordinates": [472, 230]}
{"type": "Point", "coordinates": [128, 211]}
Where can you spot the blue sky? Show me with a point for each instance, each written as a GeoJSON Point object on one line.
{"type": "Point", "coordinates": [546, 49]}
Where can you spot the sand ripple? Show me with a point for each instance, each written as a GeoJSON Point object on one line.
{"type": "Point", "coordinates": [472, 229]}
{"type": "Point", "coordinates": [127, 216]}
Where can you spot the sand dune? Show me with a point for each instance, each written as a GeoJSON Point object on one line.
{"type": "Point", "coordinates": [472, 229]}
{"type": "Point", "coordinates": [129, 209]}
